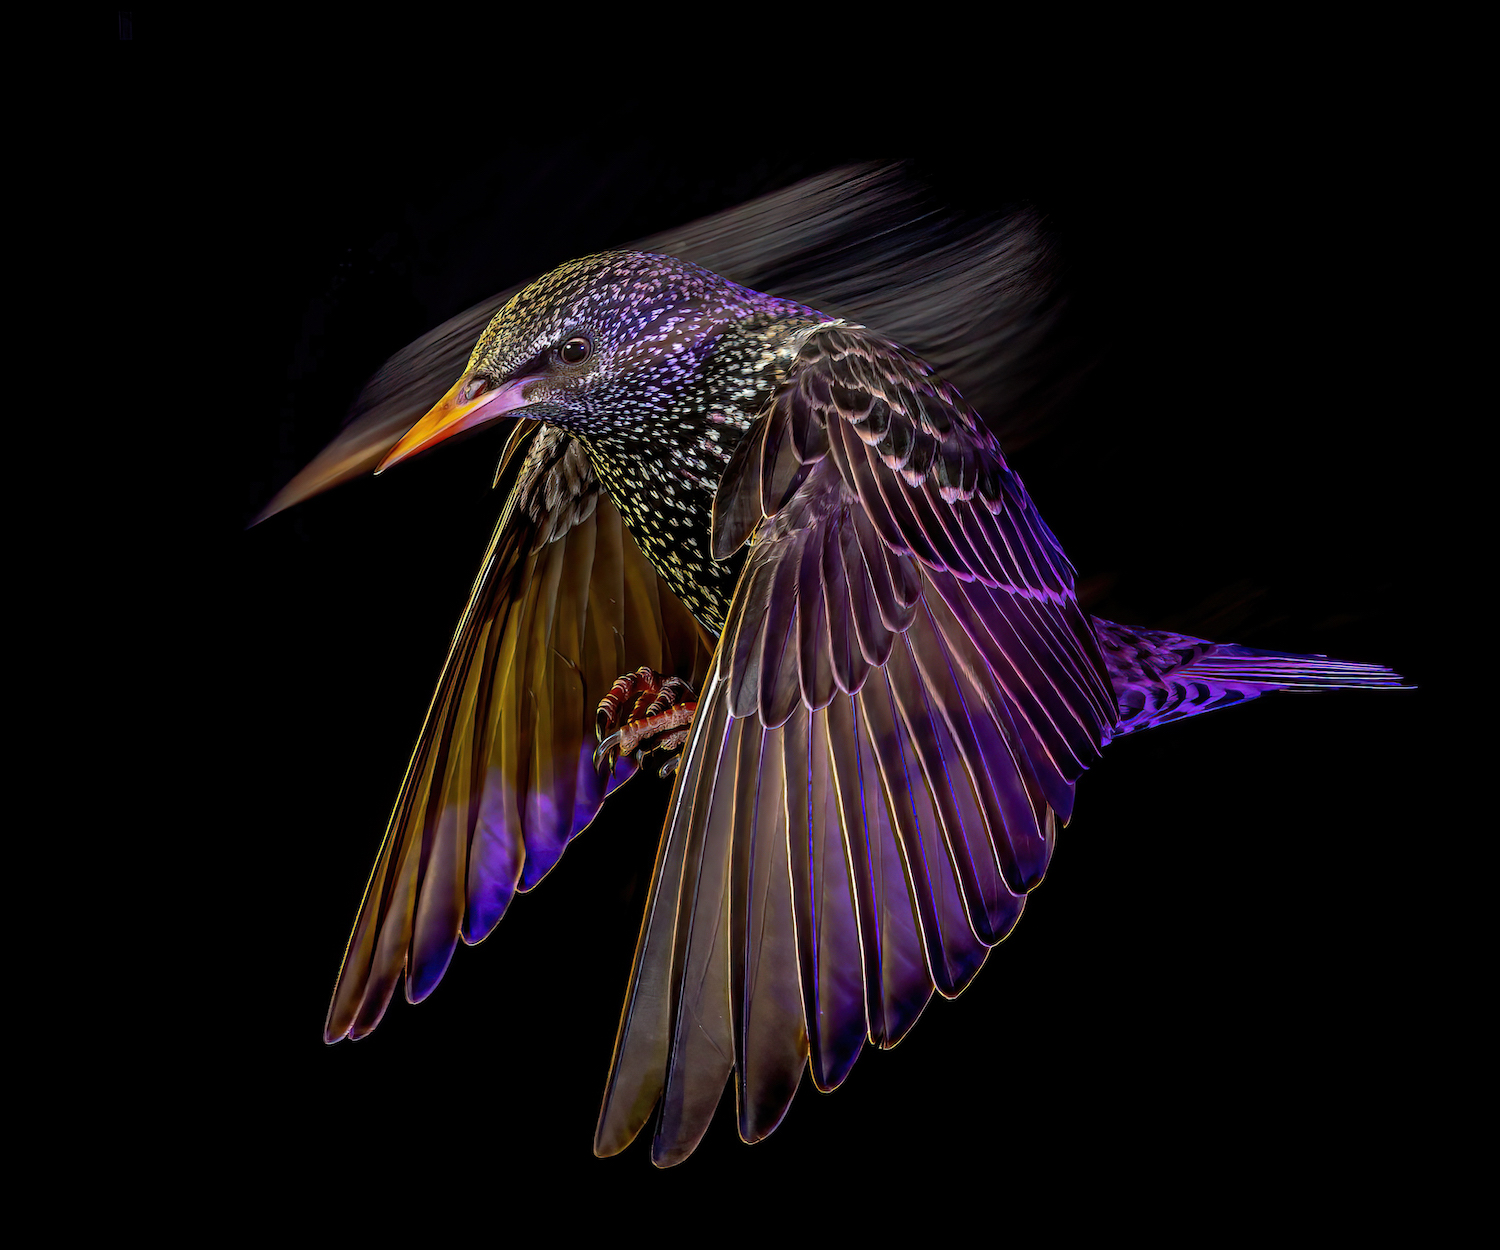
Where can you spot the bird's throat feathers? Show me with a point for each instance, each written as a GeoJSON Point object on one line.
{"type": "Point", "coordinates": [661, 439]}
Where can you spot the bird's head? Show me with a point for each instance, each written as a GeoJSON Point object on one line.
{"type": "Point", "coordinates": [594, 344]}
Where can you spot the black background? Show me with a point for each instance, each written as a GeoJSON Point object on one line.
{"type": "Point", "coordinates": [1204, 994]}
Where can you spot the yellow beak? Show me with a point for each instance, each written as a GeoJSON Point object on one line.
{"type": "Point", "coordinates": [453, 414]}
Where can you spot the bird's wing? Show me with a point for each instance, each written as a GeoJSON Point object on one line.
{"type": "Point", "coordinates": [904, 694]}
{"type": "Point", "coordinates": [502, 777]}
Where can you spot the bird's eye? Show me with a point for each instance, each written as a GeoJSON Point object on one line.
{"type": "Point", "coordinates": [474, 389]}
{"type": "Point", "coordinates": [575, 351]}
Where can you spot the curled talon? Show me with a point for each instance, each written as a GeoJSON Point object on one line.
{"type": "Point", "coordinates": [604, 754]}
{"type": "Point", "coordinates": [642, 712]}
{"type": "Point", "coordinates": [623, 695]}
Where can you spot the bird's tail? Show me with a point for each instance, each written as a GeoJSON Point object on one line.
{"type": "Point", "coordinates": [1160, 676]}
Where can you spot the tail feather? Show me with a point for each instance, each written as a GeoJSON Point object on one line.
{"type": "Point", "coordinates": [1160, 677]}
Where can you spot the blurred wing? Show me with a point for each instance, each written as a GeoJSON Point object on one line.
{"type": "Point", "coordinates": [502, 777]}
{"type": "Point", "coordinates": [868, 241]}
{"type": "Point", "coordinates": [904, 694]}
{"type": "Point", "coordinates": [390, 403]}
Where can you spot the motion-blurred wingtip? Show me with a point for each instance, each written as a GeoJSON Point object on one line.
{"type": "Point", "coordinates": [338, 463]}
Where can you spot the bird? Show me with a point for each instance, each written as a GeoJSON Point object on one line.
{"type": "Point", "coordinates": [833, 606]}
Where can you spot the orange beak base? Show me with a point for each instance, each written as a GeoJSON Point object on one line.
{"type": "Point", "coordinates": [451, 415]}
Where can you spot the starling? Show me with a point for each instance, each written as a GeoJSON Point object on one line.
{"type": "Point", "coordinates": [791, 533]}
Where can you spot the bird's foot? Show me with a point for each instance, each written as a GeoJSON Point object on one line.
{"type": "Point", "coordinates": [640, 707]}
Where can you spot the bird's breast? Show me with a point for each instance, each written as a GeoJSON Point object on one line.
{"type": "Point", "coordinates": [661, 454]}
{"type": "Point", "coordinates": [664, 489]}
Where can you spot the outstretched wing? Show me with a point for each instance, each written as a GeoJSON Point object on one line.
{"type": "Point", "coordinates": [903, 697]}
{"type": "Point", "coordinates": [502, 777]}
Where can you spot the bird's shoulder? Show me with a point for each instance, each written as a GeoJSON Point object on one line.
{"type": "Point", "coordinates": [860, 416]}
